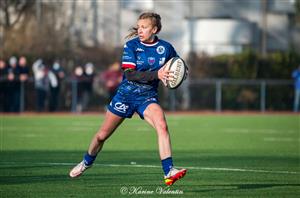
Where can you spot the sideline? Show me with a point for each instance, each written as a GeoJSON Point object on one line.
{"type": "Point", "coordinates": [204, 112]}
{"type": "Point", "coordinates": [133, 165]}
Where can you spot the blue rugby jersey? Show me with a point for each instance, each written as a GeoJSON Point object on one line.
{"type": "Point", "coordinates": [144, 57]}
{"type": "Point", "coordinates": [296, 76]}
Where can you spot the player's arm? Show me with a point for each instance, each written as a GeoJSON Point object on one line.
{"type": "Point", "coordinates": [161, 74]}
{"type": "Point", "coordinates": [133, 75]}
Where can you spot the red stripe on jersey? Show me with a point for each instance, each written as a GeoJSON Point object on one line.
{"type": "Point", "coordinates": [128, 66]}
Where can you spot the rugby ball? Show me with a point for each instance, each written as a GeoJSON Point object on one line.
{"type": "Point", "coordinates": [179, 68]}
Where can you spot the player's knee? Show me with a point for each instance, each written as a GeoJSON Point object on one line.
{"type": "Point", "coordinates": [163, 127]}
{"type": "Point", "coordinates": [101, 137]}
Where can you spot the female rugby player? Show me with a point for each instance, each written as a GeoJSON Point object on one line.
{"type": "Point", "coordinates": [143, 59]}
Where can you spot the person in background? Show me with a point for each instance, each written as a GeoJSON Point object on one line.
{"type": "Point", "coordinates": [41, 83]}
{"type": "Point", "coordinates": [24, 70]}
{"type": "Point", "coordinates": [79, 78]}
{"type": "Point", "coordinates": [14, 85]}
{"type": "Point", "coordinates": [296, 76]}
{"type": "Point", "coordinates": [111, 79]}
{"type": "Point", "coordinates": [87, 84]}
{"type": "Point", "coordinates": [3, 86]}
{"type": "Point", "coordinates": [55, 88]}
{"type": "Point", "coordinates": [24, 73]}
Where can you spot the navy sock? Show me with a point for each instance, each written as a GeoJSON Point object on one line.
{"type": "Point", "coordinates": [89, 159]}
{"type": "Point", "coordinates": [167, 164]}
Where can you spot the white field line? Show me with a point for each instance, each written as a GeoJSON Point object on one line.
{"type": "Point", "coordinates": [151, 166]}
{"type": "Point", "coordinates": [258, 131]}
{"type": "Point", "coordinates": [277, 139]}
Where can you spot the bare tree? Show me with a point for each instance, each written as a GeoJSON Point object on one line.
{"type": "Point", "coordinates": [13, 10]}
{"type": "Point", "coordinates": [94, 5]}
{"type": "Point", "coordinates": [11, 13]}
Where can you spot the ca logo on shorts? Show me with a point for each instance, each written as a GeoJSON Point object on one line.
{"type": "Point", "coordinates": [121, 107]}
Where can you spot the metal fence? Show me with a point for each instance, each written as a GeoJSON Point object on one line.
{"type": "Point", "coordinates": [202, 94]}
{"type": "Point", "coordinates": [242, 94]}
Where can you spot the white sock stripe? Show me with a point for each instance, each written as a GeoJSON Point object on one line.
{"type": "Point", "coordinates": [150, 166]}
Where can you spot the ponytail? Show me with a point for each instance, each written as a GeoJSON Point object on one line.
{"type": "Point", "coordinates": [133, 33]}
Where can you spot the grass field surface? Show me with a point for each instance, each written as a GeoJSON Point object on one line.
{"type": "Point", "coordinates": [226, 156]}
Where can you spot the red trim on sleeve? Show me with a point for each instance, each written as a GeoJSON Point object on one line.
{"type": "Point", "coordinates": [128, 65]}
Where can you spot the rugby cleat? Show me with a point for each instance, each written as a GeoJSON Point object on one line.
{"type": "Point", "coordinates": [78, 169]}
{"type": "Point", "coordinates": [174, 175]}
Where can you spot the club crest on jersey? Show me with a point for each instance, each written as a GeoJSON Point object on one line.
{"type": "Point", "coordinates": [121, 107]}
{"type": "Point", "coordinates": [151, 60]}
{"type": "Point", "coordinates": [160, 49]}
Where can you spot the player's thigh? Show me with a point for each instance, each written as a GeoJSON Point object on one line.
{"type": "Point", "coordinates": [111, 123]}
{"type": "Point", "coordinates": [154, 115]}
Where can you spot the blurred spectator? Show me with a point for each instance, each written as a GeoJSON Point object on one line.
{"type": "Point", "coordinates": [112, 78]}
{"type": "Point", "coordinates": [14, 85]}
{"type": "Point", "coordinates": [41, 83]}
{"type": "Point", "coordinates": [87, 84]}
{"type": "Point", "coordinates": [56, 75]}
{"type": "Point", "coordinates": [79, 77]}
{"type": "Point", "coordinates": [3, 86]}
{"type": "Point", "coordinates": [24, 70]}
{"type": "Point", "coordinates": [296, 76]}
{"type": "Point", "coordinates": [24, 73]}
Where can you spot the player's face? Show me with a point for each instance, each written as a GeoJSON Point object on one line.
{"type": "Point", "coordinates": [146, 30]}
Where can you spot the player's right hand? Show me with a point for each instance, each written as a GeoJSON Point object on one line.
{"type": "Point", "coordinates": [165, 75]}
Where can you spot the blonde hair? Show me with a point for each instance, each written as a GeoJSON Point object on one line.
{"type": "Point", "coordinates": [155, 19]}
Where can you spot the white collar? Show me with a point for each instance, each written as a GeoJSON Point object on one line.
{"type": "Point", "coordinates": [151, 44]}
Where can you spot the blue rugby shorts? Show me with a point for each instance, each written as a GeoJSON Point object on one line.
{"type": "Point", "coordinates": [126, 108]}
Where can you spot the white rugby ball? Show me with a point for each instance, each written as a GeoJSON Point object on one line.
{"type": "Point", "coordinates": [179, 68]}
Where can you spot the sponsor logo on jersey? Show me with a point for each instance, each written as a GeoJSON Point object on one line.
{"type": "Point", "coordinates": [151, 60]}
{"type": "Point", "coordinates": [139, 49]}
{"type": "Point", "coordinates": [160, 49]}
{"type": "Point", "coordinates": [139, 62]}
{"type": "Point", "coordinates": [162, 61]}
{"type": "Point", "coordinates": [151, 99]}
{"type": "Point", "coordinates": [121, 107]}
{"type": "Point", "coordinates": [126, 57]}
